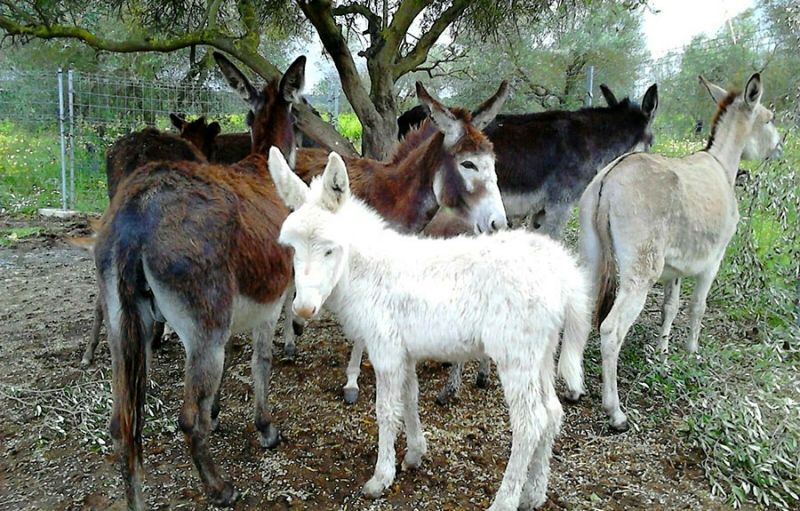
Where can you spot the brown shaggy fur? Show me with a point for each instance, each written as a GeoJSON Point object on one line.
{"type": "Point", "coordinates": [136, 149]}
{"type": "Point", "coordinates": [200, 235]}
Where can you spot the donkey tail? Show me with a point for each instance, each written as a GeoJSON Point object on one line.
{"type": "Point", "coordinates": [606, 267]}
{"type": "Point", "coordinates": [130, 375]}
{"type": "Point", "coordinates": [577, 326]}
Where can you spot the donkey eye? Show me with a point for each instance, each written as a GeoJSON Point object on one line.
{"type": "Point", "coordinates": [469, 165]}
{"type": "Point", "coordinates": [328, 252]}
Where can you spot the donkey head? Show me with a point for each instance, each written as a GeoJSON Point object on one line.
{"type": "Point", "coordinates": [763, 140]}
{"type": "Point", "coordinates": [270, 116]}
{"type": "Point", "coordinates": [466, 180]}
{"type": "Point", "coordinates": [198, 132]}
{"type": "Point", "coordinates": [321, 246]}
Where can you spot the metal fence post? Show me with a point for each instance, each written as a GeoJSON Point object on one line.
{"type": "Point", "coordinates": [589, 85]}
{"type": "Point", "coordinates": [70, 98]}
{"type": "Point", "coordinates": [63, 142]}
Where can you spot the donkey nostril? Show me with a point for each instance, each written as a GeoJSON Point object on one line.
{"type": "Point", "coordinates": [494, 225]}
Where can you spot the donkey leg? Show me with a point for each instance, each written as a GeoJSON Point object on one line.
{"type": "Point", "coordinates": [450, 388]}
{"type": "Point", "coordinates": [215, 406]}
{"type": "Point", "coordinates": [389, 376]}
{"type": "Point", "coordinates": [555, 217]}
{"type": "Point", "coordinates": [353, 372]}
{"type": "Point", "coordinates": [528, 421]}
{"type": "Point", "coordinates": [158, 335]}
{"type": "Point", "coordinates": [672, 291]}
{"type": "Point", "coordinates": [697, 306]}
{"type": "Point", "coordinates": [289, 347]}
{"type": "Point", "coordinates": [269, 436]}
{"type": "Point", "coordinates": [204, 364]}
{"type": "Point", "coordinates": [484, 371]}
{"type": "Point", "coordinates": [97, 322]}
{"type": "Point", "coordinates": [626, 309]}
{"type": "Point", "coordinates": [534, 493]}
{"type": "Point", "coordinates": [415, 440]}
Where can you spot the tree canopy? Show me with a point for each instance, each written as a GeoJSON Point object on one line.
{"type": "Point", "coordinates": [399, 34]}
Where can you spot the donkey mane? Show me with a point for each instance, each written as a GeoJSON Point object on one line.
{"type": "Point", "coordinates": [722, 109]}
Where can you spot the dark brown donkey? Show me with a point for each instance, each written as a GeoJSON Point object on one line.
{"type": "Point", "coordinates": [446, 164]}
{"type": "Point", "coordinates": [218, 148]}
{"type": "Point", "coordinates": [195, 245]}
{"type": "Point", "coordinates": [130, 152]}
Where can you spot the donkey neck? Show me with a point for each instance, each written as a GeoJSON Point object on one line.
{"type": "Point", "coordinates": [727, 141]}
{"type": "Point", "coordinates": [374, 250]}
{"type": "Point", "coordinates": [402, 188]}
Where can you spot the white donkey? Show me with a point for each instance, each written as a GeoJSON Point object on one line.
{"type": "Point", "coordinates": [506, 296]}
{"type": "Point", "coordinates": [662, 219]}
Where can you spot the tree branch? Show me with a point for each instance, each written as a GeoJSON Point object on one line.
{"type": "Point", "coordinates": [403, 17]}
{"type": "Point", "coordinates": [139, 44]}
{"type": "Point", "coordinates": [211, 13]}
{"type": "Point", "coordinates": [344, 10]}
{"type": "Point", "coordinates": [320, 14]}
{"type": "Point", "coordinates": [419, 53]}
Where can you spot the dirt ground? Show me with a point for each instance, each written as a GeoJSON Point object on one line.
{"type": "Point", "coordinates": [54, 447]}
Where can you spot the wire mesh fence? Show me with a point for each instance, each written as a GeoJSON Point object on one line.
{"type": "Point", "coordinates": [67, 119]}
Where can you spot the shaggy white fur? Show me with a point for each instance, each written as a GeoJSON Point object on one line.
{"type": "Point", "coordinates": [507, 296]}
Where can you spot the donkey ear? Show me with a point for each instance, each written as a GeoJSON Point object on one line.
{"type": "Point", "coordinates": [335, 183]}
{"type": "Point", "coordinates": [292, 190]}
{"type": "Point", "coordinates": [213, 129]}
{"type": "Point", "coordinates": [486, 113]}
{"type": "Point", "coordinates": [293, 80]}
{"type": "Point", "coordinates": [611, 99]}
{"type": "Point", "coordinates": [753, 90]}
{"type": "Point", "coordinates": [177, 121]}
{"type": "Point", "coordinates": [443, 118]}
{"type": "Point", "coordinates": [717, 92]}
{"type": "Point", "coordinates": [238, 81]}
{"type": "Point", "coordinates": [650, 102]}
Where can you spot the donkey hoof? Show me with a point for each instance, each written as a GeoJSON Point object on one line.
{"type": "Point", "coordinates": [482, 381]}
{"type": "Point", "coordinates": [411, 461]}
{"type": "Point", "coordinates": [298, 327]}
{"type": "Point", "coordinates": [269, 437]}
{"type": "Point", "coordinates": [531, 503]}
{"type": "Point", "coordinates": [350, 396]}
{"type": "Point", "coordinates": [290, 351]}
{"type": "Point", "coordinates": [572, 396]}
{"type": "Point", "coordinates": [86, 362]}
{"type": "Point", "coordinates": [224, 497]}
{"type": "Point", "coordinates": [444, 397]}
{"type": "Point", "coordinates": [373, 489]}
{"type": "Point", "coordinates": [618, 426]}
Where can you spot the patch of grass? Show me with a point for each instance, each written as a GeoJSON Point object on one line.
{"type": "Point", "coordinates": [10, 236]}
{"type": "Point", "coordinates": [737, 402]}
{"type": "Point", "coordinates": [30, 171]}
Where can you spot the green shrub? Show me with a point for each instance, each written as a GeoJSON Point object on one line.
{"type": "Point", "coordinates": [350, 128]}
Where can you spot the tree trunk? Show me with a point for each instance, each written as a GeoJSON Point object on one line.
{"type": "Point", "coordinates": [377, 141]}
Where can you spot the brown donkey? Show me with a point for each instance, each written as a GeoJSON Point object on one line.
{"type": "Point", "coordinates": [130, 152]}
{"type": "Point", "coordinates": [195, 245]}
{"type": "Point", "coordinates": [445, 165]}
